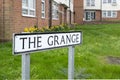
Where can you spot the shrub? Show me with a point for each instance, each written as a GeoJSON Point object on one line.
{"type": "Point", "coordinates": [58, 28]}
{"type": "Point", "coordinates": [31, 29]}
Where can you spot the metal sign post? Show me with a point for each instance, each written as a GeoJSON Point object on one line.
{"type": "Point", "coordinates": [71, 63]}
{"type": "Point", "coordinates": [26, 66]}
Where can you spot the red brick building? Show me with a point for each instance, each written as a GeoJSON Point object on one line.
{"type": "Point", "coordinates": [96, 10]}
{"type": "Point", "coordinates": [15, 15]}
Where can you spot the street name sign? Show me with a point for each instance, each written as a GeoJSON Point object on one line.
{"type": "Point", "coordinates": [25, 43]}
{"type": "Point", "coordinates": [30, 42]}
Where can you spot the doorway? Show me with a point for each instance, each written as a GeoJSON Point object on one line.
{"type": "Point", "coordinates": [89, 15]}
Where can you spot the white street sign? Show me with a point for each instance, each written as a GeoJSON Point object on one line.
{"type": "Point", "coordinates": [30, 42]}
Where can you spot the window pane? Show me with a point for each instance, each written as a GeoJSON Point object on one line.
{"type": "Point", "coordinates": [25, 11]}
{"type": "Point", "coordinates": [31, 4]}
{"type": "Point", "coordinates": [104, 14]}
{"type": "Point", "coordinates": [92, 2]}
{"type": "Point", "coordinates": [55, 14]}
{"type": "Point", "coordinates": [114, 1]}
{"type": "Point", "coordinates": [34, 1]}
{"type": "Point", "coordinates": [32, 12]}
{"type": "Point", "coordinates": [104, 1]}
{"type": "Point", "coordinates": [28, 7]}
{"type": "Point", "coordinates": [25, 3]}
{"type": "Point", "coordinates": [114, 14]}
{"type": "Point", "coordinates": [109, 1]}
{"type": "Point", "coordinates": [88, 2]}
{"type": "Point", "coordinates": [109, 13]}
{"type": "Point", "coordinates": [43, 8]}
{"type": "Point", "coordinates": [43, 15]}
{"type": "Point", "coordinates": [93, 15]}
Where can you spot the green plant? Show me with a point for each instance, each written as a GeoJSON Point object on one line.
{"type": "Point", "coordinates": [58, 28]}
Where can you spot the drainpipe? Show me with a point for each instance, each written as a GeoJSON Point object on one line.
{"type": "Point", "coordinates": [3, 32]}
{"type": "Point", "coordinates": [69, 13]}
{"type": "Point", "coordinates": [50, 13]}
{"type": "Point", "coordinates": [101, 12]}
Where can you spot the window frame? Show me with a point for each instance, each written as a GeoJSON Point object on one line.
{"type": "Point", "coordinates": [55, 8]}
{"type": "Point", "coordinates": [109, 1]}
{"type": "Point", "coordinates": [114, 1]}
{"type": "Point", "coordinates": [43, 9]}
{"type": "Point", "coordinates": [90, 3]}
{"type": "Point", "coordinates": [29, 8]}
{"type": "Point", "coordinates": [104, 1]}
{"type": "Point", "coordinates": [109, 14]}
{"type": "Point", "coordinates": [87, 2]}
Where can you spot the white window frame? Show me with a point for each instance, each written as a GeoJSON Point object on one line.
{"type": "Point", "coordinates": [43, 9]}
{"type": "Point", "coordinates": [107, 1]}
{"type": "Point", "coordinates": [104, 1]}
{"type": "Point", "coordinates": [109, 14]}
{"type": "Point", "coordinates": [55, 8]}
{"type": "Point", "coordinates": [91, 17]}
{"type": "Point", "coordinates": [104, 14]}
{"type": "Point", "coordinates": [114, 14]}
{"type": "Point", "coordinates": [29, 8]}
{"type": "Point", "coordinates": [114, 1]}
{"type": "Point", "coordinates": [90, 2]}
{"type": "Point", "coordinates": [87, 2]}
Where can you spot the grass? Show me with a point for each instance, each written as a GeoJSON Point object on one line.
{"type": "Point", "coordinates": [99, 41]}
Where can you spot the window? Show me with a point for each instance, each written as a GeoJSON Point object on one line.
{"type": "Point", "coordinates": [109, 14]}
{"type": "Point", "coordinates": [113, 1]}
{"type": "Point", "coordinates": [104, 14]}
{"type": "Point", "coordinates": [114, 14]}
{"type": "Point", "coordinates": [90, 15]}
{"type": "Point", "coordinates": [28, 8]}
{"type": "Point", "coordinates": [104, 1]}
{"type": "Point", "coordinates": [109, 1]}
{"type": "Point", "coordinates": [55, 14]}
{"type": "Point", "coordinates": [43, 8]}
{"type": "Point", "coordinates": [90, 2]}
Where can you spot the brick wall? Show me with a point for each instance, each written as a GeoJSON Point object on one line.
{"type": "Point", "coordinates": [98, 15]}
{"type": "Point", "coordinates": [70, 14]}
{"type": "Point", "coordinates": [14, 22]}
{"type": "Point", "coordinates": [1, 20]}
{"type": "Point", "coordinates": [78, 8]}
{"type": "Point", "coordinates": [5, 28]}
{"type": "Point", "coordinates": [63, 14]}
{"type": "Point", "coordinates": [20, 22]}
